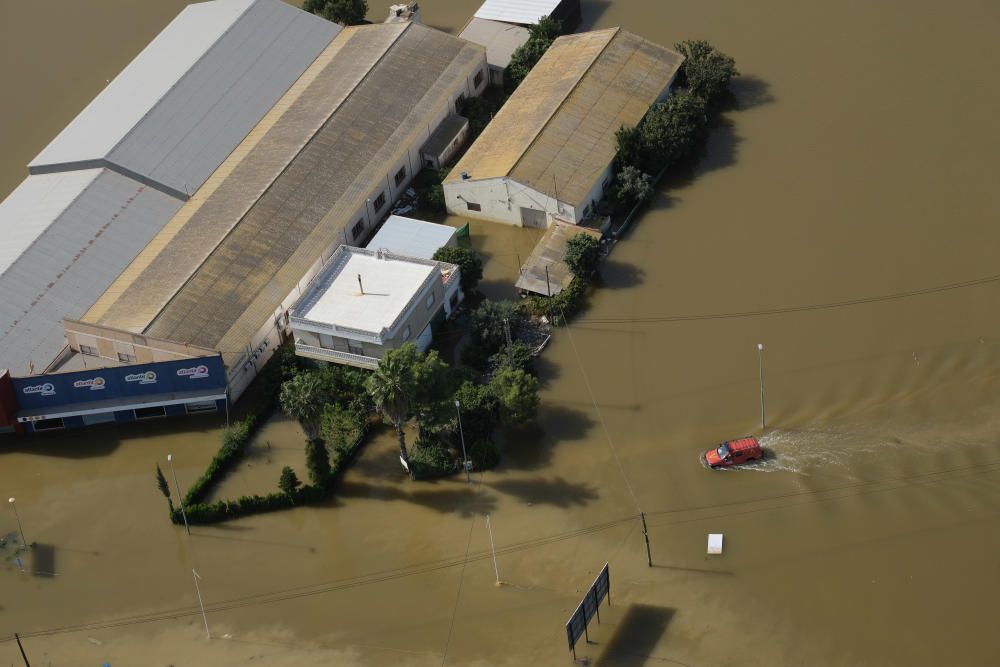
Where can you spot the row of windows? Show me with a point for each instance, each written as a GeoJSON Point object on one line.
{"type": "Point", "coordinates": [92, 352]}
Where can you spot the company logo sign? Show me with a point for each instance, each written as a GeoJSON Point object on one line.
{"type": "Point", "coordinates": [94, 383]}
{"type": "Point", "coordinates": [194, 372]}
{"type": "Point", "coordinates": [149, 377]}
{"type": "Point", "coordinates": [47, 389]}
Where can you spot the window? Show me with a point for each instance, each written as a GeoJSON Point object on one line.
{"type": "Point", "coordinates": [201, 406]}
{"type": "Point", "coordinates": [379, 202]}
{"type": "Point", "coordinates": [406, 333]}
{"type": "Point", "coordinates": [459, 102]}
{"type": "Point", "coordinates": [89, 351]}
{"type": "Point", "coordinates": [150, 413]}
{"type": "Point", "coordinates": [473, 206]}
{"type": "Point", "coordinates": [429, 163]}
{"type": "Point", "coordinates": [606, 183]}
{"type": "Point", "coordinates": [430, 300]}
{"type": "Point", "coordinates": [357, 230]}
{"type": "Point", "coordinates": [127, 358]}
{"type": "Point", "coordinates": [478, 79]}
{"type": "Point", "coordinates": [48, 424]}
{"type": "Point", "coordinates": [355, 348]}
{"type": "Point", "coordinates": [400, 175]}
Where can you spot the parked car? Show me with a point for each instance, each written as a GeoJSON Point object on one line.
{"type": "Point", "coordinates": [733, 452]}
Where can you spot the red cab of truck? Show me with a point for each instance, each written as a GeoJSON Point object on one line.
{"type": "Point", "coordinates": [733, 452]}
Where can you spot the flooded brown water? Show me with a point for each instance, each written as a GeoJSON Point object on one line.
{"type": "Point", "coordinates": [857, 172]}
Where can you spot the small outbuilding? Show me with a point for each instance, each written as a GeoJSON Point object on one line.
{"type": "Point", "coordinates": [445, 141]}
{"type": "Point", "coordinates": [412, 238]}
{"type": "Point", "coordinates": [500, 39]}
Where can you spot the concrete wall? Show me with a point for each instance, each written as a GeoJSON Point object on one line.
{"type": "Point", "coordinates": [501, 200]}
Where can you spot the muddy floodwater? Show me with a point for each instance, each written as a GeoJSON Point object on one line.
{"type": "Point", "coordinates": [844, 216]}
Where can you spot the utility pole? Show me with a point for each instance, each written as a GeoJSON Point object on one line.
{"type": "Point", "coordinates": [461, 433]}
{"type": "Point", "coordinates": [760, 368]}
{"type": "Point", "coordinates": [18, 517]}
{"type": "Point", "coordinates": [180, 497]}
{"type": "Point", "coordinates": [506, 327]}
{"type": "Point", "coordinates": [645, 536]}
{"type": "Point", "coordinates": [201, 604]}
{"type": "Point", "coordinates": [493, 549]}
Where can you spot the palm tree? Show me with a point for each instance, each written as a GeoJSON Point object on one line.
{"type": "Point", "coordinates": [391, 386]}
{"type": "Point", "coordinates": [302, 398]}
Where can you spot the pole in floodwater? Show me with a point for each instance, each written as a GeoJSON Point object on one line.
{"type": "Point", "coordinates": [180, 497]}
{"type": "Point", "coordinates": [760, 369]}
{"type": "Point", "coordinates": [493, 549]}
{"type": "Point", "coordinates": [23, 654]}
{"type": "Point", "coordinates": [645, 536]}
{"type": "Point", "coordinates": [201, 604]}
{"type": "Point", "coordinates": [18, 517]}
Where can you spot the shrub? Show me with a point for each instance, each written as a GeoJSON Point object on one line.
{"type": "Point", "coordinates": [347, 12]}
{"type": "Point", "coordinates": [563, 305]}
{"type": "Point", "coordinates": [340, 429]}
{"type": "Point", "coordinates": [431, 461]}
{"type": "Point", "coordinates": [469, 262]}
{"type": "Point", "coordinates": [632, 186]}
{"type": "Point", "coordinates": [288, 482]}
{"type": "Point", "coordinates": [583, 254]}
{"type": "Point", "coordinates": [490, 321]}
{"type": "Point", "coordinates": [517, 356]}
{"type": "Point", "coordinates": [525, 57]}
{"type": "Point", "coordinates": [517, 395]}
{"type": "Point", "coordinates": [484, 455]}
{"type": "Point", "coordinates": [318, 462]}
{"type": "Point", "coordinates": [234, 441]}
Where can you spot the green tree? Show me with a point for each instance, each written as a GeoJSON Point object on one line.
{"type": "Point", "coordinates": [469, 263]}
{"type": "Point", "coordinates": [161, 482]}
{"type": "Point", "coordinates": [339, 428]}
{"type": "Point", "coordinates": [630, 149]}
{"type": "Point", "coordinates": [490, 321]}
{"type": "Point", "coordinates": [318, 462]}
{"type": "Point", "coordinates": [480, 410]}
{"type": "Point", "coordinates": [347, 12]}
{"type": "Point", "coordinates": [632, 186]}
{"type": "Point", "coordinates": [395, 383]}
{"type": "Point", "coordinates": [583, 254]}
{"type": "Point", "coordinates": [517, 395]}
{"type": "Point", "coordinates": [671, 130]}
{"type": "Point", "coordinates": [302, 398]}
{"type": "Point", "coordinates": [288, 482]}
{"type": "Point", "coordinates": [706, 71]}
{"type": "Point", "coordinates": [526, 56]}
{"type": "Point", "coordinates": [517, 356]}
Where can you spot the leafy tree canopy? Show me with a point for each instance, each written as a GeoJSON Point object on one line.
{"type": "Point", "coordinates": [289, 481]}
{"type": "Point", "coordinates": [487, 323]}
{"type": "Point", "coordinates": [517, 395]}
{"type": "Point", "coordinates": [302, 398]}
{"type": "Point", "coordinates": [347, 12]}
{"type": "Point", "coordinates": [468, 261]}
{"type": "Point", "coordinates": [706, 71]}
{"type": "Point", "coordinates": [671, 129]}
{"type": "Point", "coordinates": [583, 253]}
{"type": "Point", "coordinates": [526, 56]}
{"type": "Point", "coordinates": [633, 186]}
{"type": "Point", "coordinates": [318, 462]}
{"type": "Point", "coordinates": [517, 356]}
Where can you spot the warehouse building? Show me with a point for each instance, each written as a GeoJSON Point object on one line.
{"type": "Point", "coordinates": [109, 182]}
{"type": "Point", "coordinates": [502, 25]}
{"type": "Point", "coordinates": [321, 169]}
{"type": "Point", "coordinates": [366, 302]}
{"type": "Point", "coordinates": [548, 153]}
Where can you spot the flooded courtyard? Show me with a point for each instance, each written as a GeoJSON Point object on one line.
{"type": "Point", "coordinates": [843, 216]}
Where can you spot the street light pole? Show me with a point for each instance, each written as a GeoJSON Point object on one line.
{"type": "Point", "coordinates": [180, 498]}
{"type": "Point", "coordinates": [201, 604]}
{"type": "Point", "coordinates": [18, 517]}
{"type": "Point", "coordinates": [760, 368]}
{"type": "Point", "coordinates": [496, 568]}
{"type": "Point", "coordinates": [461, 433]}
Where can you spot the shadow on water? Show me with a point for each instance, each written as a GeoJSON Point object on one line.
{"type": "Point", "coordinates": [556, 491]}
{"type": "Point", "coordinates": [618, 275]}
{"type": "Point", "coordinates": [458, 500]}
{"type": "Point", "coordinates": [636, 635]}
{"type": "Point", "coordinates": [530, 446]}
{"type": "Point", "coordinates": [591, 12]}
{"type": "Point", "coordinates": [218, 532]}
{"type": "Point", "coordinates": [43, 560]}
{"type": "Point", "coordinates": [546, 369]}
{"type": "Point", "coordinates": [748, 92]}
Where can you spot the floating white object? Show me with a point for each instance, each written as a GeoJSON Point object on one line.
{"type": "Point", "coordinates": [715, 543]}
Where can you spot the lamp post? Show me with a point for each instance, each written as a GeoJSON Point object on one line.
{"type": "Point", "coordinates": [760, 369]}
{"type": "Point", "coordinates": [180, 498]}
{"type": "Point", "coordinates": [18, 517]}
{"type": "Point", "coordinates": [461, 433]}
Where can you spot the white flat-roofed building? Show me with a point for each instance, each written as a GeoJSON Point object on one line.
{"type": "Point", "coordinates": [365, 302]}
{"type": "Point", "coordinates": [412, 238]}
{"type": "Point", "coordinates": [500, 39]}
{"type": "Point", "coordinates": [527, 12]}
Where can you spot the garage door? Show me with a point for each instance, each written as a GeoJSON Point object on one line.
{"type": "Point", "coordinates": [100, 418]}
{"type": "Point", "coordinates": [531, 217]}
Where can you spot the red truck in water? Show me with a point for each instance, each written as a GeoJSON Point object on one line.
{"type": "Point", "coordinates": [733, 452]}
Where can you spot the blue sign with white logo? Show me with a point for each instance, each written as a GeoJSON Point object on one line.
{"type": "Point", "coordinates": [165, 377]}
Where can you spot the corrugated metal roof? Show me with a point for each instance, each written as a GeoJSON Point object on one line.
{"type": "Point", "coordinates": [556, 133]}
{"type": "Point", "coordinates": [411, 238]}
{"type": "Point", "coordinates": [106, 220]}
{"type": "Point", "coordinates": [242, 249]}
{"type": "Point", "coordinates": [446, 132]}
{"type": "Point", "coordinates": [176, 111]}
{"type": "Point", "coordinates": [526, 12]}
{"type": "Point", "coordinates": [500, 39]}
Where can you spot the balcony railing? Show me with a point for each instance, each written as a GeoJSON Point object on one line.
{"type": "Point", "coordinates": [336, 356]}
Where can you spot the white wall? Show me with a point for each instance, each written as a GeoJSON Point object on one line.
{"type": "Point", "coordinates": [501, 200]}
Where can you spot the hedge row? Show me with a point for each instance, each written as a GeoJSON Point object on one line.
{"type": "Point", "coordinates": [563, 305]}
{"type": "Point", "coordinates": [234, 441]}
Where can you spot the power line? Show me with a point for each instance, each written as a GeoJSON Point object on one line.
{"type": "Point", "coordinates": [791, 309]}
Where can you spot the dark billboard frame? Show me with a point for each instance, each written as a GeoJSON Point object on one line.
{"type": "Point", "coordinates": [590, 606]}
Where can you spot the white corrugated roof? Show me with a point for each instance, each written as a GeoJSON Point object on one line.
{"type": "Point", "coordinates": [412, 238]}
{"type": "Point", "coordinates": [526, 12]}
{"type": "Point", "coordinates": [88, 226]}
{"type": "Point", "coordinates": [182, 105]}
{"type": "Point", "coordinates": [33, 206]}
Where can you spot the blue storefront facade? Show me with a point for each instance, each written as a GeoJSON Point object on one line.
{"type": "Point", "coordinates": [120, 394]}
